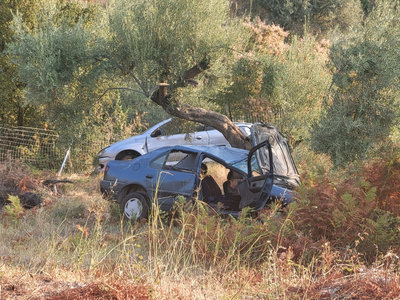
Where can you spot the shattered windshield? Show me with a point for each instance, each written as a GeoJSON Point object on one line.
{"type": "Point", "coordinates": [242, 165]}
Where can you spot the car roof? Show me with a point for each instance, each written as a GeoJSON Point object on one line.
{"type": "Point", "coordinates": [151, 129]}
{"type": "Point", "coordinates": [226, 154]}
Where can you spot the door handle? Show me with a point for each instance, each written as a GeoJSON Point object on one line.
{"type": "Point", "coordinates": [199, 137]}
{"type": "Point", "coordinates": [150, 176]}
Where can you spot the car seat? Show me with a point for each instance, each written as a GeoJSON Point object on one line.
{"type": "Point", "coordinates": [209, 187]}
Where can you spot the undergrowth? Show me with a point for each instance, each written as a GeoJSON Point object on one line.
{"type": "Point", "coordinates": [341, 236]}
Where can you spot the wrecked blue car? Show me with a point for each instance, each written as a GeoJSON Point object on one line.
{"type": "Point", "coordinates": [223, 177]}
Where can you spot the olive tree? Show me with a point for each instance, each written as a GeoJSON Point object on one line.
{"type": "Point", "coordinates": [175, 53]}
{"type": "Point", "coordinates": [362, 107]}
{"type": "Point", "coordinates": [12, 108]}
{"type": "Point", "coordinates": [321, 15]}
{"type": "Point", "coordinates": [283, 81]}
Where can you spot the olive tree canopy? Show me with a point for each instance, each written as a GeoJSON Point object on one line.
{"type": "Point", "coordinates": [175, 52]}
{"type": "Point", "coordinates": [363, 107]}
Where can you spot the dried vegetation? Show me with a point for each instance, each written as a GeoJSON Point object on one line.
{"type": "Point", "coordinates": [340, 241]}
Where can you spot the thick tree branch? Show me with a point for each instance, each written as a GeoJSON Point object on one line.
{"type": "Point", "coordinates": [159, 94]}
{"type": "Point", "coordinates": [190, 74]}
{"type": "Point", "coordinates": [222, 123]}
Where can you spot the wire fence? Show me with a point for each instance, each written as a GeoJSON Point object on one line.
{"type": "Point", "coordinates": [44, 150]}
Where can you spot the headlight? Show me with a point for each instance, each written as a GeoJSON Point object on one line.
{"type": "Point", "coordinates": [101, 152]}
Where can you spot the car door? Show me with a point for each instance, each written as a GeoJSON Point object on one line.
{"type": "Point", "coordinates": [176, 177]}
{"type": "Point", "coordinates": [285, 170]}
{"type": "Point", "coordinates": [217, 138]}
{"type": "Point", "coordinates": [177, 132]}
{"type": "Point", "coordinates": [258, 184]}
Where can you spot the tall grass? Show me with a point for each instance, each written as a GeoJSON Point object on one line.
{"type": "Point", "coordinates": [195, 253]}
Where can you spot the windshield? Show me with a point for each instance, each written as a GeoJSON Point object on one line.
{"type": "Point", "coordinates": [242, 165]}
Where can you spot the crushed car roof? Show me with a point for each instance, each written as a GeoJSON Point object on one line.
{"type": "Point", "coordinates": [227, 154]}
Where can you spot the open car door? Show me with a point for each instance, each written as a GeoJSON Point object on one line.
{"type": "Point", "coordinates": [284, 170]}
{"type": "Point", "coordinates": [257, 187]}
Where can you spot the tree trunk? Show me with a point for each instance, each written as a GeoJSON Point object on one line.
{"type": "Point", "coordinates": [222, 123]}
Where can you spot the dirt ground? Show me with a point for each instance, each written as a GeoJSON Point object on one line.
{"type": "Point", "coordinates": [45, 288]}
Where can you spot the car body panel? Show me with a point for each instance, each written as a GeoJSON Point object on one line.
{"type": "Point", "coordinates": [169, 172]}
{"type": "Point", "coordinates": [146, 142]}
{"type": "Point", "coordinates": [199, 138]}
{"type": "Point", "coordinates": [173, 184]}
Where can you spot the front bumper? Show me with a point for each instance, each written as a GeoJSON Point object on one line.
{"type": "Point", "coordinates": [103, 163]}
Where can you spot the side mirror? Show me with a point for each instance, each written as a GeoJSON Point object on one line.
{"type": "Point", "coordinates": [156, 133]}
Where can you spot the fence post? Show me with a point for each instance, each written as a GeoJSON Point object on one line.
{"type": "Point", "coordinates": [63, 164]}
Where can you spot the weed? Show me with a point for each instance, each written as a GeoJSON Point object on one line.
{"type": "Point", "coordinates": [14, 211]}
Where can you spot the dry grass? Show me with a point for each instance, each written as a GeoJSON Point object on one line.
{"type": "Point", "coordinates": [75, 246]}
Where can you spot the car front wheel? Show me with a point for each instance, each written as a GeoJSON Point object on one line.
{"type": "Point", "coordinates": [134, 207]}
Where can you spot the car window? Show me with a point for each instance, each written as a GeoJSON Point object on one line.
{"type": "Point", "coordinates": [246, 130]}
{"type": "Point", "coordinates": [180, 160]}
{"type": "Point", "coordinates": [180, 126]}
{"type": "Point", "coordinates": [255, 167]}
{"type": "Point", "coordinates": [259, 156]}
{"type": "Point", "coordinates": [158, 162]}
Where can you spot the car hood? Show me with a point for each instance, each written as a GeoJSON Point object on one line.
{"type": "Point", "coordinates": [284, 166]}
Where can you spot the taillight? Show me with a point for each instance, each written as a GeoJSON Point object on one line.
{"type": "Point", "coordinates": [106, 169]}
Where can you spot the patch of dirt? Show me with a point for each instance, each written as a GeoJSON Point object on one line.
{"type": "Point", "coordinates": [114, 291]}
{"type": "Point", "coordinates": [45, 288]}
{"type": "Point", "coordinates": [15, 180]}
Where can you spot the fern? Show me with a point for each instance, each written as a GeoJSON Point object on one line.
{"type": "Point", "coordinates": [14, 210]}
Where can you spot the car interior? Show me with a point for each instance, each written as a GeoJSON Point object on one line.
{"type": "Point", "coordinates": [213, 178]}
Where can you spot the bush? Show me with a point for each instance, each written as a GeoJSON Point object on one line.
{"type": "Point", "coordinates": [358, 211]}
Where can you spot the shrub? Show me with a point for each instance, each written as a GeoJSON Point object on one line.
{"type": "Point", "coordinates": [360, 211]}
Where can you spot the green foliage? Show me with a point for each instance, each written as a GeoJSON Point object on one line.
{"type": "Point", "coordinates": [366, 5]}
{"type": "Point", "coordinates": [161, 40]}
{"type": "Point", "coordinates": [69, 62]}
{"type": "Point", "coordinates": [16, 110]}
{"type": "Point", "coordinates": [304, 82]}
{"type": "Point", "coordinates": [321, 15]}
{"type": "Point", "coordinates": [362, 109]}
{"type": "Point", "coordinates": [279, 82]}
{"type": "Point", "coordinates": [13, 110]}
{"type": "Point", "coordinates": [57, 53]}
{"type": "Point", "coordinates": [14, 210]}
{"type": "Point", "coordinates": [155, 41]}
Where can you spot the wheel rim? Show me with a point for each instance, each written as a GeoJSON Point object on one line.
{"type": "Point", "coordinates": [133, 208]}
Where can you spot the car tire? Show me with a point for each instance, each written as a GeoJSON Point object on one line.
{"type": "Point", "coordinates": [134, 207]}
{"type": "Point", "coordinates": [128, 157]}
